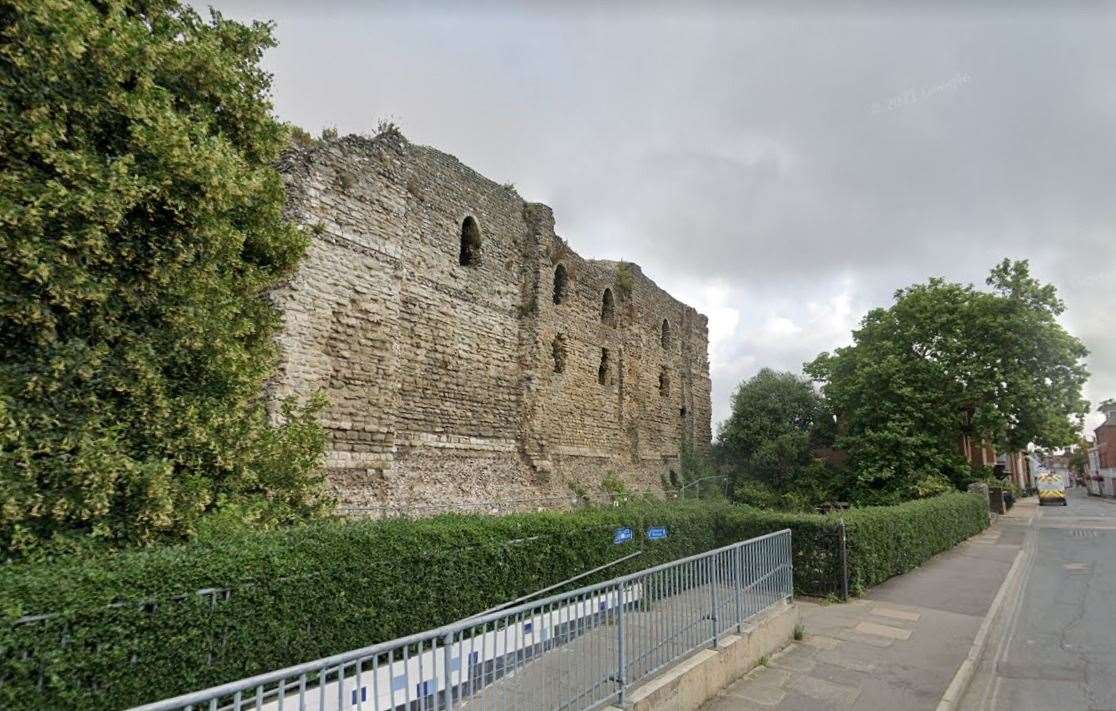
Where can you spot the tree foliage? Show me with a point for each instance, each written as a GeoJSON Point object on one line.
{"type": "Point", "coordinates": [948, 359]}
{"type": "Point", "coordinates": [1079, 457]}
{"type": "Point", "coordinates": [777, 422]}
{"type": "Point", "coordinates": [141, 226]}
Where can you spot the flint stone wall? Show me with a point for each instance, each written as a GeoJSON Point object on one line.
{"type": "Point", "coordinates": [442, 378]}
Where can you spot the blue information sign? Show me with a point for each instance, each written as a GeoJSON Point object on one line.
{"type": "Point", "coordinates": [656, 532]}
{"type": "Point", "coordinates": [622, 535]}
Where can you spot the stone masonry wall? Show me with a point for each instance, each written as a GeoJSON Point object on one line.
{"type": "Point", "coordinates": [452, 383]}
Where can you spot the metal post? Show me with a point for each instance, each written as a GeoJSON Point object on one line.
{"type": "Point", "coordinates": [788, 545]}
{"type": "Point", "coordinates": [447, 641]}
{"type": "Point", "coordinates": [739, 560]}
{"type": "Point", "coordinates": [620, 678]}
{"type": "Point", "coordinates": [844, 560]}
{"type": "Point", "coordinates": [713, 598]}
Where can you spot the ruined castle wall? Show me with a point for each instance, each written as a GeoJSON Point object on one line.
{"type": "Point", "coordinates": [441, 377]}
{"type": "Point", "coordinates": [635, 420]}
{"type": "Point", "coordinates": [341, 309]}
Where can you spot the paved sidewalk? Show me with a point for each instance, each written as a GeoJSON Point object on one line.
{"type": "Point", "coordinates": [899, 646]}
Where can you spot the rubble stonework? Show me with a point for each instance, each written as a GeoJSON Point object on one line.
{"type": "Point", "coordinates": [459, 383]}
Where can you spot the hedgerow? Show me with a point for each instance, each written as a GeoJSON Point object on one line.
{"type": "Point", "coordinates": [884, 541]}
{"type": "Point", "coordinates": [131, 627]}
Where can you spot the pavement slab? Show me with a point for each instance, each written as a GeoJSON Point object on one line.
{"type": "Point", "coordinates": [759, 694]}
{"type": "Point", "coordinates": [839, 658]}
{"type": "Point", "coordinates": [795, 658]}
{"type": "Point", "coordinates": [766, 676]}
{"type": "Point", "coordinates": [882, 630]}
{"type": "Point", "coordinates": [897, 614]}
{"type": "Point", "coordinates": [820, 642]}
{"type": "Point", "coordinates": [824, 691]}
{"type": "Point", "coordinates": [861, 638]}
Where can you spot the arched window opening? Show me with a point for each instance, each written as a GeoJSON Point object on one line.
{"type": "Point", "coordinates": [561, 283]}
{"type": "Point", "coordinates": [470, 243]}
{"type": "Point", "coordinates": [664, 338]}
{"type": "Point", "coordinates": [602, 370]}
{"type": "Point", "coordinates": [608, 308]}
{"type": "Point", "coordinates": [664, 383]}
{"type": "Point", "coordinates": [558, 352]}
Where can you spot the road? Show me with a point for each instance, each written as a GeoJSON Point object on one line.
{"type": "Point", "coordinates": [1053, 644]}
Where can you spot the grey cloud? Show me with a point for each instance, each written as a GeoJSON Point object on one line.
{"type": "Point", "coordinates": [742, 148]}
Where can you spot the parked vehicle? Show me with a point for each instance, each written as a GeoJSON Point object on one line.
{"type": "Point", "coordinates": [1052, 489]}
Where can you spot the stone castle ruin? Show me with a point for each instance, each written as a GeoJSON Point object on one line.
{"type": "Point", "coordinates": [467, 353]}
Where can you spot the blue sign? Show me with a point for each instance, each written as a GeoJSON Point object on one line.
{"type": "Point", "coordinates": [622, 535]}
{"type": "Point", "coordinates": [656, 532]}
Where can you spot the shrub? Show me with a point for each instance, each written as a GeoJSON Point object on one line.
{"type": "Point", "coordinates": [884, 541]}
{"type": "Point", "coordinates": [130, 627]}
{"type": "Point", "coordinates": [136, 630]}
{"type": "Point", "coordinates": [143, 222]}
{"type": "Point", "coordinates": [755, 493]}
{"type": "Point", "coordinates": [625, 279]}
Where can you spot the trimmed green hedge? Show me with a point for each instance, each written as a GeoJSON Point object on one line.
{"type": "Point", "coordinates": [884, 541]}
{"type": "Point", "coordinates": [131, 628]}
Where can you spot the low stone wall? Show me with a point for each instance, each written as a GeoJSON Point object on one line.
{"type": "Point", "coordinates": [698, 678]}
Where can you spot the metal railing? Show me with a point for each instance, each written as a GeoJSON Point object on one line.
{"type": "Point", "coordinates": [695, 482]}
{"type": "Point", "coordinates": [572, 651]}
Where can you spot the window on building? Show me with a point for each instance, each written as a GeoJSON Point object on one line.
{"type": "Point", "coordinates": [561, 283]}
{"type": "Point", "coordinates": [602, 370]}
{"type": "Point", "coordinates": [558, 351]}
{"type": "Point", "coordinates": [469, 255]}
{"type": "Point", "coordinates": [664, 382]}
{"type": "Point", "coordinates": [608, 308]}
{"type": "Point", "coordinates": [664, 337]}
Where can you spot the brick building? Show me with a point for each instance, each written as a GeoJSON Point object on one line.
{"type": "Point", "coordinates": [1012, 465]}
{"type": "Point", "coordinates": [1105, 436]}
{"type": "Point", "coordinates": [1101, 471]}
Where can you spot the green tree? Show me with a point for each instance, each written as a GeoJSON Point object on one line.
{"type": "Point", "coordinates": [948, 359]}
{"type": "Point", "coordinates": [777, 421]}
{"type": "Point", "coordinates": [141, 227]}
{"type": "Point", "coordinates": [1079, 457]}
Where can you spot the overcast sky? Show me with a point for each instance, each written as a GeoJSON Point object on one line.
{"type": "Point", "coordinates": [782, 172]}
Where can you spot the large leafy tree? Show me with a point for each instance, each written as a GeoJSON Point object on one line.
{"type": "Point", "coordinates": [945, 360]}
{"type": "Point", "coordinates": [141, 224]}
{"type": "Point", "coordinates": [777, 421]}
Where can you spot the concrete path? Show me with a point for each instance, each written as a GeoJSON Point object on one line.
{"type": "Point", "coordinates": [1053, 644]}
{"type": "Point", "coordinates": [900, 645]}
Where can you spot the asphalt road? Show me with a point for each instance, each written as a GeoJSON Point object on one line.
{"type": "Point", "coordinates": [1053, 644]}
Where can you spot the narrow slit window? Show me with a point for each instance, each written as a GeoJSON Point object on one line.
{"type": "Point", "coordinates": [561, 283]}
{"type": "Point", "coordinates": [608, 308]}
{"type": "Point", "coordinates": [603, 368]}
{"type": "Point", "coordinates": [664, 383]}
{"type": "Point", "coordinates": [469, 256]}
{"type": "Point", "coordinates": [664, 336]}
